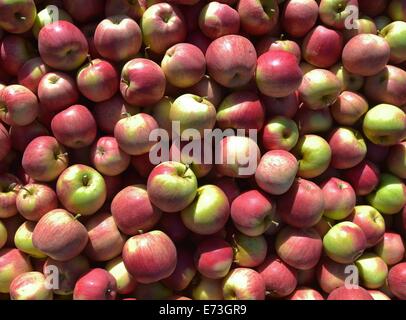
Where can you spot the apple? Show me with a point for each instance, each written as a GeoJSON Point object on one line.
{"type": "Point", "coordinates": [231, 60]}
{"type": "Point", "coordinates": [396, 159]}
{"type": "Point", "coordinates": [198, 39]}
{"type": "Point", "coordinates": [162, 25]}
{"type": "Point", "coordinates": [118, 38]}
{"type": "Point", "coordinates": [9, 188]}
{"type": "Point", "coordinates": [303, 293]}
{"type": "Point", "coordinates": [44, 159]}
{"type": "Point", "coordinates": [394, 34]}
{"type": "Point", "coordinates": [209, 89]}
{"type": "Point", "coordinates": [332, 275]}
{"type": "Point", "coordinates": [125, 282]}
{"type": "Point", "coordinates": [30, 286]}
{"type": "Point", "coordinates": [344, 242]}
{"type": "Point", "coordinates": [258, 17]}
{"type": "Point", "coordinates": [172, 225]}
{"type": "Point", "coordinates": [21, 136]}
{"type": "Point", "coordinates": [397, 280]}
{"type": "Point", "coordinates": [299, 248]}
{"type": "Point", "coordinates": [97, 284]}
{"type": "Point", "coordinates": [15, 51]}
{"type": "Point", "coordinates": [299, 16]}
{"type": "Point", "coordinates": [362, 25]}
{"type": "Point", "coordinates": [285, 106]}
{"type": "Point", "coordinates": [57, 91]}
{"type": "Point", "coordinates": [213, 258]}
{"type": "Point", "coordinates": [335, 13]}
{"type": "Point", "coordinates": [389, 197]}
{"type": "Point", "coordinates": [249, 251]}
{"type": "Point", "coordinates": [17, 16]}
{"type": "Point", "coordinates": [319, 89]}
{"type": "Point", "coordinates": [378, 295]}
{"type": "Point", "coordinates": [208, 289]}
{"type": "Point", "coordinates": [31, 73]}
{"type": "Point", "coordinates": [152, 291]}
{"type": "Point", "coordinates": [184, 273]}
{"type": "Point", "coordinates": [3, 235]}
{"type": "Point", "coordinates": [47, 16]}
{"type": "Point", "coordinates": [364, 177]}
{"type": "Point", "coordinates": [280, 133]}
{"type": "Point", "coordinates": [81, 189]}
{"type": "Point", "coordinates": [131, 8]}
{"type": "Point", "coordinates": [391, 248]}
{"type": "Point", "coordinates": [313, 121]}
{"type": "Point", "coordinates": [83, 10]}
{"type": "Point", "coordinates": [142, 82]}
{"type": "Point", "coordinates": [372, 270]}
{"type": "Point", "coordinates": [268, 43]}
{"type": "Point", "coordinates": [62, 46]}
{"type": "Point", "coordinates": [150, 257]}
{"type": "Point", "coordinates": [23, 240]}
{"type": "Point", "coordinates": [12, 263]}
{"type": "Point", "coordinates": [5, 142]}
{"type": "Point", "coordinates": [339, 199]}
{"type": "Point", "coordinates": [344, 293]}
{"type": "Point", "coordinates": [243, 284]}
{"type": "Point", "coordinates": [349, 81]}
{"type": "Point", "coordinates": [349, 108]}
{"type": "Point", "coordinates": [372, 9]}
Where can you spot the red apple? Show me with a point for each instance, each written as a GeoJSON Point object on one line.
{"type": "Point", "coordinates": [172, 225]}
{"type": "Point", "coordinates": [12, 263]}
{"type": "Point", "coordinates": [339, 199]}
{"type": "Point", "coordinates": [397, 280]}
{"type": "Point", "coordinates": [31, 73]}
{"type": "Point", "coordinates": [9, 188]}
{"type": "Point", "coordinates": [5, 142]}
{"type": "Point", "coordinates": [303, 293]}
{"type": "Point", "coordinates": [332, 275]}
{"type": "Point", "coordinates": [364, 177]}
{"type": "Point", "coordinates": [391, 248]}
{"type": "Point", "coordinates": [299, 16]}
{"type": "Point", "coordinates": [285, 106]}
{"type": "Point", "coordinates": [243, 284]}
{"type": "Point", "coordinates": [15, 51]}
{"type": "Point", "coordinates": [313, 121]}
{"type": "Point", "coordinates": [97, 284]}
{"type": "Point", "coordinates": [258, 17]}
{"type": "Point", "coordinates": [344, 293]}
{"type": "Point", "coordinates": [349, 108]}
{"type": "Point", "coordinates": [198, 39]}
{"type": "Point", "coordinates": [17, 16]}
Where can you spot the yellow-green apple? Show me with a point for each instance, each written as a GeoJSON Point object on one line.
{"type": "Point", "coordinates": [184, 273]}
{"type": "Point", "coordinates": [243, 284]}
{"type": "Point", "coordinates": [249, 251]}
{"type": "Point", "coordinates": [184, 65]}
{"type": "Point", "coordinates": [396, 160]}
{"type": "Point", "coordinates": [14, 52]}
{"type": "Point", "coordinates": [268, 43]}
{"type": "Point", "coordinates": [258, 17]}
{"type": "Point", "coordinates": [218, 19]}
{"type": "Point", "coordinates": [48, 15]}
{"type": "Point", "coordinates": [142, 82]}
{"type": "Point", "coordinates": [299, 16]}
{"type": "Point", "coordinates": [231, 60]}
{"type": "Point", "coordinates": [314, 154]}
{"type": "Point", "coordinates": [252, 213]}
{"type": "Point", "coordinates": [349, 81]}
{"type": "Point", "coordinates": [319, 89]}
{"type": "Point", "coordinates": [31, 73]}
{"type": "Point", "coordinates": [9, 188]}
{"type": "Point", "coordinates": [209, 89]}
{"type": "Point", "coordinates": [131, 221]}
{"type": "Point", "coordinates": [5, 142]}
{"type": "Point", "coordinates": [349, 108]}
{"type": "Point", "coordinates": [378, 295]}
{"type": "Point", "coordinates": [62, 45]}
{"type": "Point", "coordinates": [397, 280]}
{"type": "Point", "coordinates": [291, 206]}
{"type": "Point", "coordinates": [348, 148]}
{"type": "Point", "coordinates": [385, 124]}
{"type": "Point", "coordinates": [23, 240]}
{"type": "Point", "coordinates": [3, 234]}
{"type": "Point", "coordinates": [98, 80]}
{"type": "Point", "coordinates": [13, 262]}
{"type": "Point", "coordinates": [60, 235]}
{"type": "Point", "coordinates": [278, 74]}
{"type": "Point", "coordinates": [18, 105]}
{"type": "Point", "coordinates": [397, 10]}
{"type": "Point", "coordinates": [335, 13]}
{"type": "Point", "coordinates": [108, 158]}
{"type": "Point", "coordinates": [208, 212]}
{"type": "Point", "coordinates": [391, 248]}
{"type": "Point", "coordinates": [299, 248]}
{"type": "Point", "coordinates": [131, 8]}
{"type": "Point", "coordinates": [394, 33]}
{"type": "Point", "coordinates": [193, 112]}
{"type": "Point", "coordinates": [364, 177]}
{"type": "Point", "coordinates": [150, 257]}
{"type": "Point", "coordinates": [162, 25]}
{"type": "Point", "coordinates": [57, 91]}
{"type": "Point", "coordinates": [352, 293]}
{"type": "Point", "coordinates": [372, 270]}
{"type": "Point", "coordinates": [44, 159]}
{"type": "Point", "coordinates": [362, 25]}
{"type": "Point", "coordinates": [389, 197]}
{"type": "Point", "coordinates": [372, 9]}
{"type": "Point", "coordinates": [339, 198]}
{"type": "Point", "coordinates": [241, 110]}
{"type": "Point", "coordinates": [280, 133]}
{"type": "Point", "coordinates": [213, 258]}
{"type": "Point", "coordinates": [68, 273]}
{"type": "Point", "coordinates": [117, 38]}
{"type": "Point", "coordinates": [285, 106]}
{"type": "Point", "coordinates": [332, 275]}
{"type": "Point", "coordinates": [97, 284]}
{"type": "Point", "coordinates": [371, 222]}
{"type": "Point", "coordinates": [17, 16]}
{"type": "Point", "coordinates": [125, 282]}
{"type": "Point", "coordinates": [74, 127]}
{"type": "Point", "coordinates": [208, 289]}
{"type": "Point", "coordinates": [366, 54]}
{"type": "Point", "coordinates": [276, 171]}
{"type": "Point", "coordinates": [84, 10]}
{"type": "Point", "coordinates": [172, 225]}
{"type": "Point", "coordinates": [30, 286]}
{"type": "Point", "coordinates": [304, 293]}
{"type": "Point", "coordinates": [344, 242]}
{"type": "Point", "coordinates": [280, 278]}
{"type": "Point", "coordinates": [81, 189]}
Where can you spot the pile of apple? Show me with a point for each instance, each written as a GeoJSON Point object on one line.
{"type": "Point", "coordinates": [86, 214]}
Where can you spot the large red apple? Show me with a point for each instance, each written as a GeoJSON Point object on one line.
{"type": "Point", "coordinates": [97, 284]}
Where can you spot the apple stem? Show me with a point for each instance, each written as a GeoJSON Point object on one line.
{"type": "Point", "coordinates": [126, 114]}
{"type": "Point", "coordinates": [282, 37]}
{"type": "Point", "coordinates": [140, 231]}
{"type": "Point", "coordinates": [89, 58]}
{"type": "Point", "coordinates": [146, 52]}
{"type": "Point", "coordinates": [329, 224]}
{"type": "Point", "coordinates": [275, 223]}
{"type": "Point", "coordinates": [27, 190]}
{"type": "Point", "coordinates": [12, 187]}
{"type": "Point", "coordinates": [85, 179]}
{"type": "Point", "coordinates": [76, 217]}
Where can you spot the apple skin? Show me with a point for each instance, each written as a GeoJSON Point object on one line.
{"type": "Point", "coordinates": [23, 240]}
{"type": "Point", "coordinates": [117, 38]}
{"type": "Point", "coordinates": [209, 89]}
{"type": "Point", "coordinates": [198, 39]}
{"type": "Point", "coordinates": [372, 270]}
{"type": "Point", "coordinates": [299, 16]}
{"type": "Point", "coordinates": [299, 248]}
{"type": "Point", "coordinates": [44, 159]}
{"type": "Point", "coordinates": [83, 10]}
{"type": "Point", "coordinates": [394, 34]}
{"type": "Point", "coordinates": [268, 43]}
{"type": "Point", "coordinates": [108, 158]}
{"type": "Point", "coordinates": [319, 89]}
{"type": "Point", "coordinates": [349, 108]}
{"type": "Point", "coordinates": [257, 17]}
{"type": "Point", "coordinates": [344, 242]}
{"type": "Point", "coordinates": [385, 124]}
{"type": "Point", "coordinates": [378, 295]}
{"type": "Point", "coordinates": [208, 289]}
{"type": "Point", "coordinates": [391, 248]}
{"type": "Point", "coordinates": [15, 50]}
{"type": "Point", "coordinates": [397, 280]}
{"type": "Point", "coordinates": [172, 225]}
{"type": "Point", "coordinates": [184, 273]}
{"type": "Point", "coordinates": [364, 24]}
{"type": "Point", "coordinates": [313, 121]}
{"type": "Point", "coordinates": [152, 291]}
{"type": "Point", "coordinates": [389, 197]}
{"type": "Point", "coordinates": [349, 81]}
{"type": "Point", "coordinates": [31, 73]}
{"type": "Point", "coordinates": [243, 284]}
{"type": "Point", "coordinates": [19, 106]}
{"type": "Point", "coordinates": [335, 13]}
{"type": "Point", "coordinates": [280, 133]}
{"type": "Point", "coordinates": [62, 46]}
{"type": "Point", "coordinates": [339, 199]}
{"type": "Point", "coordinates": [152, 261]}
{"type": "Point", "coordinates": [47, 16]}
{"type": "Point", "coordinates": [129, 221]}
{"type": "Point", "coordinates": [21, 136]}
{"type": "Point", "coordinates": [30, 286]}
{"type": "Point", "coordinates": [343, 293]}
{"type": "Point", "coordinates": [249, 251]}
{"type": "Point", "coordinates": [125, 282]}
{"type": "Point", "coordinates": [303, 293]}
{"type": "Point", "coordinates": [364, 177]}
{"type": "Point", "coordinates": [241, 110]}
{"type": "Point", "coordinates": [17, 16]}
{"type": "Point", "coordinates": [5, 142]}
{"type": "Point", "coordinates": [231, 61]}
{"type": "Point", "coordinates": [280, 278]}
{"type": "Point", "coordinates": [371, 222]}
{"type": "Point", "coordinates": [208, 212]}
{"type": "Point", "coordinates": [162, 26]}
{"type": "Point", "coordinates": [59, 235]}
{"type": "Point", "coordinates": [35, 200]}
{"type": "Point", "coordinates": [359, 58]}
{"type": "Point", "coordinates": [9, 188]}
{"type": "Point", "coordinates": [396, 160]}
{"type": "Point", "coordinates": [332, 275]}
{"type": "Point", "coordinates": [213, 258]}
{"type": "Point", "coordinates": [97, 284]}
{"type": "Point", "coordinates": [142, 82]}
{"type": "Point", "coordinates": [285, 107]}
{"type": "Point", "coordinates": [13, 262]}
{"type": "Point", "coordinates": [3, 235]}
{"type": "Point", "coordinates": [172, 186]}
{"type": "Point", "coordinates": [133, 9]}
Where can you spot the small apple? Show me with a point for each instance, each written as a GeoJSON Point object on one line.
{"type": "Point", "coordinates": [31, 73]}
{"type": "Point", "coordinates": [280, 133]}
{"type": "Point", "coordinates": [332, 275]}
{"type": "Point", "coordinates": [372, 270]}
{"type": "Point", "coordinates": [303, 293]}
{"type": "Point", "coordinates": [364, 177]}
{"type": "Point", "coordinates": [3, 235]}
{"type": "Point", "coordinates": [394, 34]}
{"type": "Point", "coordinates": [313, 121]}
{"type": "Point", "coordinates": [125, 282]}
{"type": "Point", "coordinates": [285, 106]}
{"type": "Point", "coordinates": [349, 81]}
{"type": "Point", "coordinates": [339, 199]}
{"type": "Point", "coordinates": [249, 251]}
{"type": "Point", "coordinates": [299, 16]}
{"type": "Point", "coordinates": [349, 108]}
{"type": "Point", "coordinates": [30, 286]}
{"type": "Point", "coordinates": [9, 188]}
{"type": "Point", "coordinates": [184, 273]}
{"type": "Point", "coordinates": [13, 262]}
{"type": "Point", "coordinates": [48, 15]}
{"type": "Point", "coordinates": [396, 160]}
{"type": "Point", "coordinates": [97, 284]}
{"type": "Point", "coordinates": [17, 16]}
{"type": "Point", "coordinates": [132, 8]}
{"type": "Point", "coordinates": [258, 17]}
{"type": "Point", "coordinates": [397, 280]}
{"type": "Point", "coordinates": [391, 248]}
{"type": "Point", "coordinates": [335, 13]}
{"type": "Point", "coordinates": [23, 240]}
{"type": "Point", "coordinates": [243, 284]}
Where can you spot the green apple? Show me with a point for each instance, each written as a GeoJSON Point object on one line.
{"type": "Point", "coordinates": [372, 269]}
{"type": "Point", "coordinates": [208, 289]}
{"type": "Point", "coordinates": [280, 133]}
{"type": "Point", "coordinates": [3, 235]}
{"type": "Point", "coordinates": [249, 251]}
{"type": "Point", "coordinates": [23, 240]}
{"type": "Point", "coordinates": [125, 282]}
{"type": "Point", "coordinates": [395, 34]}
